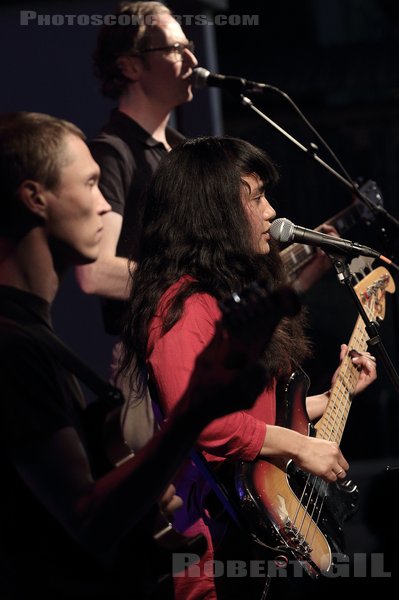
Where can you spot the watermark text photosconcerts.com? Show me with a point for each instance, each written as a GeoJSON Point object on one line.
{"type": "Point", "coordinates": [31, 17]}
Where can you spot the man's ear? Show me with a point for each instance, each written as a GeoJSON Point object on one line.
{"type": "Point", "coordinates": [33, 197]}
{"type": "Point", "coordinates": [130, 67]}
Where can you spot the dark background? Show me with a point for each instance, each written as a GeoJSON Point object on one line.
{"type": "Point", "coordinates": [338, 60]}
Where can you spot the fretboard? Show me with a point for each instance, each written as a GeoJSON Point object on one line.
{"type": "Point", "coordinates": [332, 424]}
{"type": "Point", "coordinates": [371, 291]}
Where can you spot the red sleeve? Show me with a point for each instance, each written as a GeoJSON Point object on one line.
{"type": "Point", "coordinates": [171, 360]}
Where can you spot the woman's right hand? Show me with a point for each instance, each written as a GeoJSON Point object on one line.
{"type": "Point", "coordinates": [314, 455]}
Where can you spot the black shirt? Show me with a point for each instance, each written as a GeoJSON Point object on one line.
{"type": "Point", "coordinates": [128, 157]}
{"type": "Point", "coordinates": [38, 397]}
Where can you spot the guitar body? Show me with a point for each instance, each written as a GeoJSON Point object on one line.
{"type": "Point", "coordinates": [299, 515]}
{"type": "Point", "coordinates": [293, 513]}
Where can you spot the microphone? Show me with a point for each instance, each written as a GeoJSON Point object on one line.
{"type": "Point", "coordinates": [201, 78]}
{"type": "Point", "coordinates": [283, 230]}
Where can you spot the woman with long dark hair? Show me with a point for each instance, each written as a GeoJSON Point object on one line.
{"type": "Point", "coordinates": [206, 235]}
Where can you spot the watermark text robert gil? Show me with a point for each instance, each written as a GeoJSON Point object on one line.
{"type": "Point", "coordinates": [362, 565]}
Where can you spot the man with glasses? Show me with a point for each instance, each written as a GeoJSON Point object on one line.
{"type": "Point", "coordinates": [146, 66]}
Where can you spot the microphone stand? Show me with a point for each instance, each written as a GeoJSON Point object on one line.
{"type": "Point", "coordinates": [344, 275]}
{"type": "Point", "coordinates": [378, 210]}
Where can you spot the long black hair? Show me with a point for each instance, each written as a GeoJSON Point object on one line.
{"type": "Point", "coordinates": [195, 224]}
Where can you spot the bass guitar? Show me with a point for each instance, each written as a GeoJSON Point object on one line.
{"type": "Point", "coordinates": [298, 515]}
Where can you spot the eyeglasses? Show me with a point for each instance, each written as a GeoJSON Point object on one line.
{"type": "Point", "coordinates": [176, 50]}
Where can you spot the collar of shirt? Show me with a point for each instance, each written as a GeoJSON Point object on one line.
{"type": "Point", "coordinates": [120, 120]}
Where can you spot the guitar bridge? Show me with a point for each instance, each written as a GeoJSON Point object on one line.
{"type": "Point", "coordinates": [295, 540]}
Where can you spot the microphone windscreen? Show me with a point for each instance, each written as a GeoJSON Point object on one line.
{"type": "Point", "coordinates": [281, 230]}
{"type": "Point", "coordinates": [198, 77]}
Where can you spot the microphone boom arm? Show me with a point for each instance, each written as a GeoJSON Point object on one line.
{"type": "Point", "coordinates": [311, 152]}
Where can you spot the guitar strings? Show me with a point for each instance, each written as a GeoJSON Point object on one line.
{"type": "Point", "coordinates": [341, 388]}
{"type": "Point", "coordinates": [346, 383]}
{"type": "Point", "coordinates": [344, 386]}
{"type": "Point", "coordinates": [316, 491]}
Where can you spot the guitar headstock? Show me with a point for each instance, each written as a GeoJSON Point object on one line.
{"type": "Point", "coordinates": [372, 291]}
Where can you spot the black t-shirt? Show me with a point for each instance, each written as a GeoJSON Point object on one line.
{"type": "Point", "coordinates": [128, 157]}
{"type": "Point", "coordinates": [39, 397]}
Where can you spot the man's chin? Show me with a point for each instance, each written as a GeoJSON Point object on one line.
{"type": "Point", "coordinates": [186, 96]}
{"type": "Point", "coordinates": [86, 259]}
